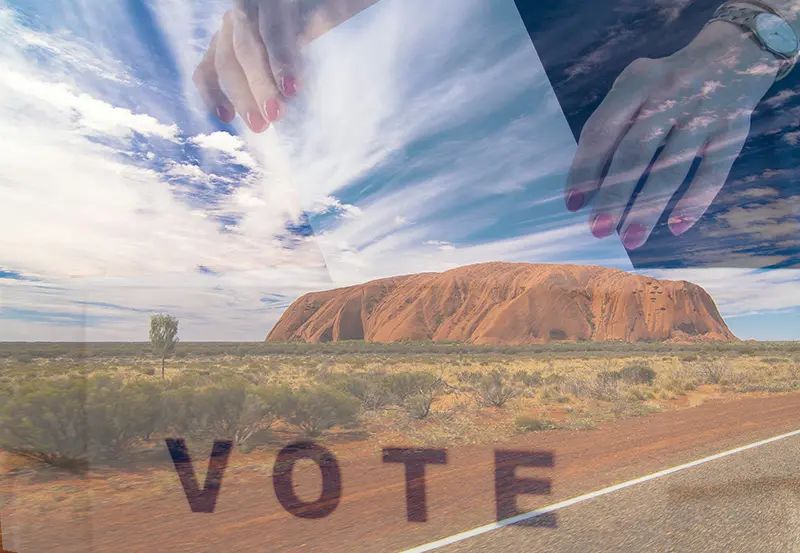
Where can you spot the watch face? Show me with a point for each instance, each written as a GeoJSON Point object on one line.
{"type": "Point", "coordinates": [776, 34]}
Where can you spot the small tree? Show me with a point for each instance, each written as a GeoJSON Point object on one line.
{"type": "Point", "coordinates": [163, 336]}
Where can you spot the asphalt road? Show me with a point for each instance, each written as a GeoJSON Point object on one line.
{"type": "Point", "coordinates": [746, 502]}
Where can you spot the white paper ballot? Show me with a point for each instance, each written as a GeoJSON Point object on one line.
{"type": "Point", "coordinates": [429, 137]}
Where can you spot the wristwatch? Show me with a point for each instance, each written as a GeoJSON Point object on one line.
{"type": "Point", "coordinates": [767, 27]}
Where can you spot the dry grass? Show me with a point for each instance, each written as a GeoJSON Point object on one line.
{"type": "Point", "coordinates": [554, 388]}
{"type": "Point", "coordinates": [573, 388]}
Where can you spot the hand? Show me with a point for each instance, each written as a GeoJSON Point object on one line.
{"type": "Point", "coordinates": [253, 64]}
{"type": "Point", "coordinates": [695, 103]}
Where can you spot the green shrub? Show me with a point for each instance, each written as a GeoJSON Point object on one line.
{"type": "Point", "coordinates": [67, 420]}
{"type": "Point", "coordinates": [638, 372]}
{"type": "Point", "coordinates": [119, 414]}
{"type": "Point", "coordinates": [24, 358]}
{"type": "Point", "coordinates": [419, 405]}
{"type": "Point", "coordinates": [468, 377]}
{"type": "Point", "coordinates": [494, 392]}
{"type": "Point", "coordinates": [183, 415]}
{"type": "Point", "coordinates": [606, 386]}
{"type": "Point", "coordinates": [402, 385]}
{"type": "Point", "coordinates": [139, 406]}
{"type": "Point", "coordinates": [529, 423]}
{"type": "Point", "coordinates": [46, 420]}
{"type": "Point", "coordinates": [370, 388]}
{"type": "Point", "coordinates": [639, 394]}
{"type": "Point", "coordinates": [528, 379]}
{"type": "Point", "coordinates": [715, 371]}
{"type": "Point", "coordinates": [237, 410]}
{"type": "Point", "coordinates": [316, 409]}
{"type": "Point", "coordinates": [231, 408]}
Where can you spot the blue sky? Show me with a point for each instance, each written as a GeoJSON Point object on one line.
{"type": "Point", "coordinates": [418, 144]}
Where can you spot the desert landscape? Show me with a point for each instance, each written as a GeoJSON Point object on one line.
{"type": "Point", "coordinates": [592, 356]}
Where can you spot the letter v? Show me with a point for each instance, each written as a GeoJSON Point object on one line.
{"type": "Point", "coordinates": [200, 501]}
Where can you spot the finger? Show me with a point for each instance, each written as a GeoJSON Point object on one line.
{"type": "Point", "coordinates": [234, 80]}
{"type": "Point", "coordinates": [665, 178]}
{"type": "Point", "coordinates": [603, 132]}
{"type": "Point", "coordinates": [252, 56]}
{"type": "Point", "coordinates": [280, 28]}
{"type": "Point", "coordinates": [629, 163]}
{"type": "Point", "coordinates": [719, 155]}
{"type": "Point", "coordinates": [206, 80]}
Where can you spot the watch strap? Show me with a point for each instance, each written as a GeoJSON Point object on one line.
{"type": "Point", "coordinates": [743, 13]}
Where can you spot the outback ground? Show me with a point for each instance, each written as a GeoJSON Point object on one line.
{"type": "Point", "coordinates": [83, 426]}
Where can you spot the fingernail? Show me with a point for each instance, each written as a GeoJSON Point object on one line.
{"type": "Point", "coordinates": [224, 114]}
{"type": "Point", "coordinates": [272, 109]}
{"type": "Point", "coordinates": [602, 225]}
{"type": "Point", "coordinates": [679, 224]}
{"type": "Point", "coordinates": [574, 199]}
{"type": "Point", "coordinates": [256, 122]}
{"type": "Point", "coordinates": [633, 237]}
{"type": "Point", "coordinates": [289, 86]}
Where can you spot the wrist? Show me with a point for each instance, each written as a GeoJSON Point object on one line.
{"type": "Point", "coordinates": [728, 47]}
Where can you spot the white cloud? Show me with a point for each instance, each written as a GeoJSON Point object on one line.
{"type": "Point", "coordinates": [25, 92]}
{"type": "Point", "coordinates": [792, 138]}
{"type": "Point", "coordinates": [70, 53]}
{"type": "Point", "coordinates": [766, 222]}
{"type": "Point", "coordinates": [330, 204]}
{"type": "Point", "coordinates": [228, 144]}
{"type": "Point", "coordinates": [190, 171]}
{"type": "Point", "coordinates": [210, 307]}
{"type": "Point", "coordinates": [781, 98]}
{"type": "Point", "coordinates": [759, 193]}
{"type": "Point", "coordinates": [740, 292]}
{"type": "Point", "coordinates": [672, 9]}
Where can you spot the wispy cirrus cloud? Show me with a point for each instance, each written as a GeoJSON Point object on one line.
{"type": "Point", "coordinates": [95, 190]}
{"type": "Point", "coordinates": [450, 155]}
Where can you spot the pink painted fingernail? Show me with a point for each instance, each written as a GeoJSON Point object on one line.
{"type": "Point", "coordinates": [602, 225]}
{"type": "Point", "coordinates": [224, 114]}
{"type": "Point", "coordinates": [289, 86]}
{"type": "Point", "coordinates": [574, 199]}
{"type": "Point", "coordinates": [256, 122]}
{"type": "Point", "coordinates": [272, 109]}
{"type": "Point", "coordinates": [678, 224]}
{"type": "Point", "coordinates": [634, 236]}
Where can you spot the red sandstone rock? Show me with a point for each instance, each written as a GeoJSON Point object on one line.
{"type": "Point", "coordinates": [508, 303]}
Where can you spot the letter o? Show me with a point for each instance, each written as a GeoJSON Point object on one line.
{"type": "Point", "coordinates": [331, 480]}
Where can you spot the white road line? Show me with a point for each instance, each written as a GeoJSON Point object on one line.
{"type": "Point", "coordinates": [556, 506]}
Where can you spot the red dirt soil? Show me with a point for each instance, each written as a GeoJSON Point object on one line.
{"type": "Point", "coordinates": [372, 513]}
{"type": "Point", "coordinates": [508, 303]}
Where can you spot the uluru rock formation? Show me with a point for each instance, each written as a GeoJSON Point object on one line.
{"type": "Point", "coordinates": [508, 303]}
